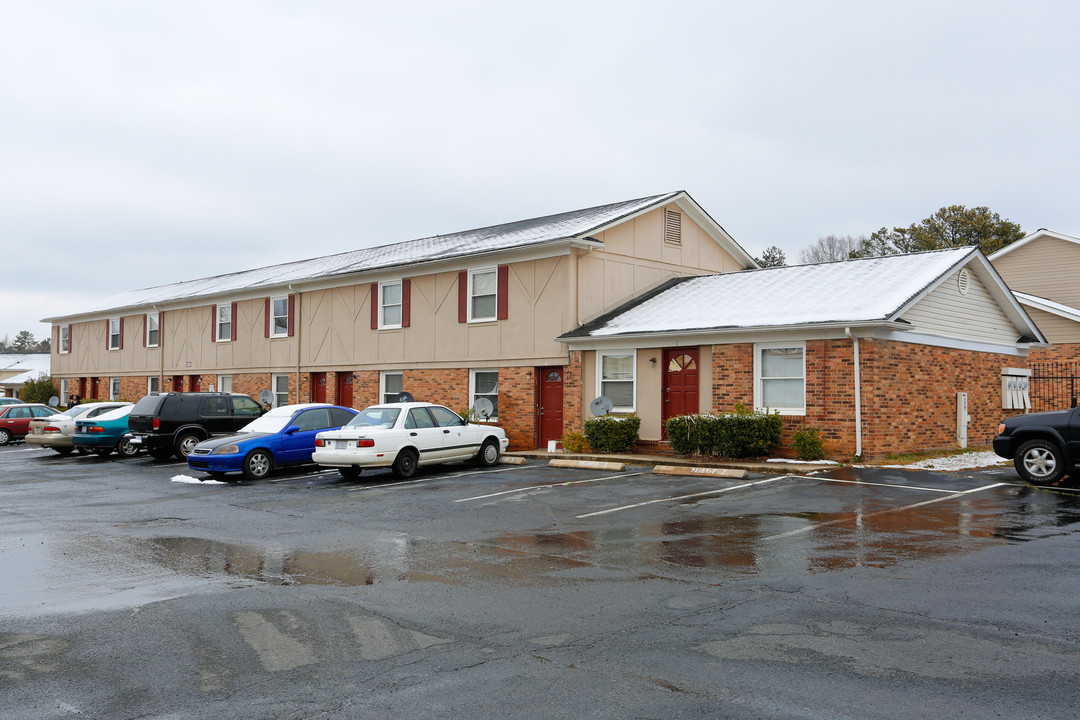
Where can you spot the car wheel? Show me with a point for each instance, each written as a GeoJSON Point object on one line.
{"type": "Point", "coordinates": [64, 450]}
{"type": "Point", "coordinates": [5, 436]}
{"type": "Point", "coordinates": [404, 464]}
{"type": "Point", "coordinates": [489, 453]}
{"type": "Point", "coordinates": [126, 449]}
{"type": "Point", "coordinates": [83, 451]}
{"type": "Point", "coordinates": [1040, 462]}
{"type": "Point", "coordinates": [104, 452]}
{"type": "Point", "coordinates": [350, 473]}
{"type": "Point", "coordinates": [186, 443]}
{"type": "Point", "coordinates": [258, 464]}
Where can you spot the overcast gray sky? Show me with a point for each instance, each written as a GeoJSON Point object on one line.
{"type": "Point", "coordinates": [143, 143]}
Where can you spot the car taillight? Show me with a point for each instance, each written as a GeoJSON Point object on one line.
{"type": "Point", "coordinates": [50, 429]}
{"type": "Point", "coordinates": [365, 442]}
{"type": "Point", "coordinates": [95, 429]}
{"type": "Point", "coordinates": [157, 423]}
{"type": "Point", "coordinates": [320, 443]}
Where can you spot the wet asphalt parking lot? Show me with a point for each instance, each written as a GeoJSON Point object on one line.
{"type": "Point", "coordinates": [529, 592]}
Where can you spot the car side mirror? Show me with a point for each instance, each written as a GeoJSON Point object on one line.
{"type": "Point", "coordinates": [464, 421]}
{"type": "Point", "coordinates": [292, 429]}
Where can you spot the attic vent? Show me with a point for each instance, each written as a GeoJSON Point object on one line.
{"type": "Point", "coordinates": [673, 227]}
{"type": "Point", "coordinates": [963, 281]}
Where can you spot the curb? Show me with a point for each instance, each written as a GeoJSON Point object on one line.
{"type": "Point", "coordinates": [707, 471]}
{"type": "Point", "coordinates": [588, 465]}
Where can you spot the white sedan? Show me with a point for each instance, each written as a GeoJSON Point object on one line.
{"type": "Point", "coordinates": [56, 430]}
{"type": "Point", "coordinates": [404, 436]}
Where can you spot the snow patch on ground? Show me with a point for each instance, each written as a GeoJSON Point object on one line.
{"type": "Point", "coordinates": [967, 461]}
{"type": "Point", "coordinates": [802, 462]}
{"type": "Point", "coordinates": [194, 481]}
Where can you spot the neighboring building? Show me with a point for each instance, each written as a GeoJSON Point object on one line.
{"type": "Point", "coordinates": [1042, 269]}
{"type": "Point", "coordinates": [450, 318]}
{"type": "Point", "coordinates": [18, 368]}
{"type": "Point", "coordinates": [874, 352]}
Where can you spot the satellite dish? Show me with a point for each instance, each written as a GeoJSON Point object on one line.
{"type": "Point", "coordinates": [601, 405]}
{"type": "Point", "coordinates": [483, 407]}
{"type": "Point", "coordinates": [404, 397]}
{"type": "Point", "coordinates": [266, 397]}
{"type": "Point", "coordinates": [53, 401]}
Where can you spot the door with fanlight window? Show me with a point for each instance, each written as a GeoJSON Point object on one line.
{"type": "Point", "coordinates": [344, 389]}
{"type": "Point", "coordinates": [551, 404]}
{"type": "Point", "coordinates": [318, 387]}
{"type": "Point", "coordinates": [680, 378]}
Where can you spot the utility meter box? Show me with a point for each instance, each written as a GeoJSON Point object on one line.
{"type": "Point", "coordinates": [962, 419]}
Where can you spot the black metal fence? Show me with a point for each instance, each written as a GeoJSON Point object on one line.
{"type": "Point", "coordinates": [1054, 385]}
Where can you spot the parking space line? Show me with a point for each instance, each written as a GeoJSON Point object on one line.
{"type": "Point", "coordinates": [685, 497]}
{"type": "Point", "coordinates": [874, 484]}
{"type": "Point", "coordinates": [401, 483]}
{"type": "Point", "coordinates": [815, 526]}
{"type": "Point", "coordinates": [538, 487]}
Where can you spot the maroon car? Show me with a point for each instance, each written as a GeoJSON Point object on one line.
{"type": "Point", "coordinates": [15, 419]}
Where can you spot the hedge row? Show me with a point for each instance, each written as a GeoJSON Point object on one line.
{"type": "Point", "coordinates": [743, 433]}
{"type": "Point", "coordinates": [610, 433]}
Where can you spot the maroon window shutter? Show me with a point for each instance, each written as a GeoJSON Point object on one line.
{"type": "Point", "coordinates": [56, 342]}
{"type": "Point", "coordinates": [213, 323]}
{"type": "Point", "coordinates": [374, 306]}
{"type": "Point", "coordinates": [501, 300]}
{"type": "Point", "coordinates": [463, 296]}
{"type": "Point", "coordinates": [161, 328]}
{"type": "Point", "coordinates": [266, 320]}
{"type": "Point", "coordinates": [145, 325]}
{"type": "Point", "coordinates": [232, 322]}
{"type": "Point", "coordinates": [406, 305]}
{"type": "Point", "coordinates": [121, 343]}
{"type": "Point", "coordinates": [292, 312]}
{"type": "Point", "coordinates": [107, 334]}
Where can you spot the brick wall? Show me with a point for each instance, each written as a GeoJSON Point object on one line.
{"type": "Point", "coordinates": [573, 375]}
{"type": "Point", "coordinates": [908, 393]}
{"type": "Point", "coordinates": [1063, 352]}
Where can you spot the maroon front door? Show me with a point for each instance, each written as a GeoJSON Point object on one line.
{"type": "Point", "coordinates": [178, 383]}
{"type": "Point", "coordinates": [318, 387]}
{"type": "Point", "coordinates": [93, 388]}
{"type": "Point", "coordinates": [680, 380]}
{"type": "Point", "coordinates": [344, 389]}
{"type": "Point", "coordinates": [193, 383]}
{"type": "Point", "coordinates": [551, 404]}
{"type": "Point", "coordinates": [82, 388]}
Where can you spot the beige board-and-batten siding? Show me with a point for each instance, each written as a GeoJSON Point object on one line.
{"type": "Point", "coordinates": [1047, 267]}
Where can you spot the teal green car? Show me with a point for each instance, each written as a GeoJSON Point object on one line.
{"type": "Point", "coordinates": [105, 433]}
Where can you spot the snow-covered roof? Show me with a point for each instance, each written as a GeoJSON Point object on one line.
{"type": "Point", "coordinates": [577, 224]}
{"type": "Point", "coordinates": [1031, 237]}
{"type": "Point", "coordinates": [23, 378]}
{"type": "Point", "coordinates": [1054, 308]}
{"type": "Point", "coordinates": [855, 291]}
{"type": "Point", "coordinates": [38, 362]}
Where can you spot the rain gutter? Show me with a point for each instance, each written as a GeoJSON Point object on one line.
{"type": "Point", "coordinates": [858, 393]}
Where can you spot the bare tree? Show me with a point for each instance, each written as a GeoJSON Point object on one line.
{"type": "Point", "coordinates": [831, 248]}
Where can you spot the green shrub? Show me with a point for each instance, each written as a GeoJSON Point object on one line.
{"type": "Point", "coordinates": [742, 433]}
{"type": "Point", "coordinates": [610, 433]}
{"type": "Point", "coordinates": [807, 443]}
{"type": "Point", "coordinates": [39, 390]}
{"type": "Point", "coordinates": [574, 442]}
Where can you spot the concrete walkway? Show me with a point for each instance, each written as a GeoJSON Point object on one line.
{"type": "Point", "coordinates": [635, 459]}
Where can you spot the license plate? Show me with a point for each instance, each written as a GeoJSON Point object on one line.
{"type": "Point", "coordinates": [339, 444]}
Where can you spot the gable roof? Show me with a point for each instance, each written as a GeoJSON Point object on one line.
{"type": "Point", "coordinates": [1040, 233]}
{"type": "Point", "coordinates": [870, 291]}
{"type": "Point", "coordinates": [567, 227]}
{"type": "Point", "coordinates": [1054, 308]}
{"type": "Point", "coordinates": [24, 362]}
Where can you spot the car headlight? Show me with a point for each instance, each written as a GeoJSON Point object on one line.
{"type": "Point", "coordinates": [226, 450]}
{"type": "Point", "coordinates": [1001, 429]}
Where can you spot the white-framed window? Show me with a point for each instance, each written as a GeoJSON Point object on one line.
{"type": "Point", "coordinates": [279, 316]}
{"type": "Point", "coordinates": [153, 385]}
{"type": "Point", "coordinates": [616, 377]}
{"type": "Point", "coordinates": [485, 384]}
{"type": "Point", "coordinates": [63, 391]}
{"type": "Point", "coordinates": [65, 339]}
{"type": "Point", "coordinates": [780, 377]}
{"type": "Point", "coordinates": [114, 333]}
{"type": "Point", "coordinates": [153, 333]}
{"type": "Point", "coordinates": [391, 383]}
{"type": "Point", "coordinates": [390, 305]}
{"type": "Point", "coordinates": [224, 383]}
{"type": "Point", "coordinates": [483, 294]}
{"type": "Point", "coordinates": [224, 322]}
{"type": "Point", "coordinates": [281, 389]}
{"type": "Point", "coordinates": [114, 388]}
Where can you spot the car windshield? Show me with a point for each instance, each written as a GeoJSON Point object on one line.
{"type": "Point", "coordinates": [269, 423]}
{"type": "Point", "coordinates": [72, 412]}
{"type": "Point", "coordinates": [115, 414]}
{"type": "Point", "coordinates": [376, 417]}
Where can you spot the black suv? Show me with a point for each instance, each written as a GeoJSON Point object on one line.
{"type": "Point", "coordinates": [176, 422]}
{"type": "Point", "coordinates": [1043, 446]}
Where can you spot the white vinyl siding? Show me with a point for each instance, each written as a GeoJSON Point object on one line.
{"type": "Point", "coordinates": [971, 316]}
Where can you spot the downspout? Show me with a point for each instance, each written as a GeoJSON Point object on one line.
{"type": "Point", "coordinates": [858, 394]}
{"type": "Point", "coordinates": [299, 312]}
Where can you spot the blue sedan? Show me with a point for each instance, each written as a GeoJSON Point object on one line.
{"type": "Point", "coordinates": [283, 436]}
